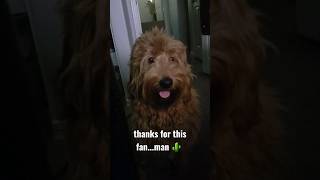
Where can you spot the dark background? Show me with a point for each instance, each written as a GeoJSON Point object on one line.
{"type": "Point", "coordinates": [293, 27]}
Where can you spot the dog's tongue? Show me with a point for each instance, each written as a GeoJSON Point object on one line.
{"type": "Point", "coordinates": [164, 94]}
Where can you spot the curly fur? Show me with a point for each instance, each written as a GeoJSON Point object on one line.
{"type": "Point", "coordinates": [183, 113]}
{"type": "Point", "coordinates": [84, 85]}
{"type": "Point", "coordinates": [245, 129]}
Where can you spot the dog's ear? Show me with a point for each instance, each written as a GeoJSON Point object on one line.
{"type": "Point", "coordinates": [186, 95]}
{"type": "Point", "coordinates": [131, 88]}
{"type": "Point", "coordinates": [132, 84]}
{"type": "Point", "coordinates": [135, 69]}
{"type": "Point", "coordinates": [184, 55]}
{"type": "Point", "coordinates": [182, 51]}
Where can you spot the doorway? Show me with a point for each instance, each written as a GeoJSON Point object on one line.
{"type": "Point", "coordinates": [181, 20]}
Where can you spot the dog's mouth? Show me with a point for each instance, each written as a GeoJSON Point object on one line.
{"type": "Point", "coordinates": [163, 98]}
{"type": "Point", "coordinates": [164, 94]}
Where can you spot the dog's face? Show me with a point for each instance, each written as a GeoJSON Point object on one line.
{"type": "Point", "coordinates": [160, 73]}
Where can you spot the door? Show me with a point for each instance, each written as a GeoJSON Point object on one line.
{"type": "Point", "coordinates": [180, 18]}
{"type": "Point", "coordinates": [194, 28]}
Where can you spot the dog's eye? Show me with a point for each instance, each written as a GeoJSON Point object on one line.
{"type": "Point", "coordinates": [150, 60]}
{"type": "Point", "coordinates": [172, 59]}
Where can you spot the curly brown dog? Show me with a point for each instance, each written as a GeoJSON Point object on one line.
{"type": "Point", "coordinates": [160, 85]}
{"type": "Point", "coordinates": [162, 95]}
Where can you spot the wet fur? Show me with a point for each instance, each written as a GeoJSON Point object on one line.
{"type": "Point", "coordinates": [183, 114]}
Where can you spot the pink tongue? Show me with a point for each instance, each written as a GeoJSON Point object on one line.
{"type": "Point", "coordinates": [164, 94]}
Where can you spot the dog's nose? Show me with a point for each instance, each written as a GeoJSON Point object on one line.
{"type": "Point", "coordinates": [165, 82]}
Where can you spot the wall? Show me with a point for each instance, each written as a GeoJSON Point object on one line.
{"type": "Point", "coordinates": [159, 9]}
{"type": "Point", "coordinates": [144, 12]}
{"type": "Point", "coordinates": [175, 15]}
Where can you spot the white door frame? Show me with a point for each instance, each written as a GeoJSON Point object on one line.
{"type": "Point", "coordinates": [125, 25]}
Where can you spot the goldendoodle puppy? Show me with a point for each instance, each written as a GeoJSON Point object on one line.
{"type": "Point", "coordinates": [160, 85]}
{"type": "Point", "coordinates": [161, 91]}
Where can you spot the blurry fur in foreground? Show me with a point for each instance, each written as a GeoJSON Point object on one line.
{"type": "Point", "coordinates": [246, 130]}
{"type": "Point", "coordinates": [84, 83]}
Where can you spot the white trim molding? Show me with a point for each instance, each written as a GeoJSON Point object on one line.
{"type": "Point", "coordinates": [125, 28]}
